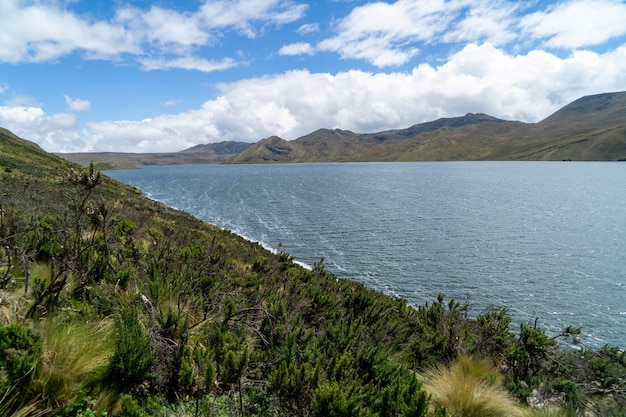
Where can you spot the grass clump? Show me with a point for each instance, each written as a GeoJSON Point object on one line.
{"type": "Point", "coordinates": [470, 388]}
{"type": "Point", "coordinates": [74, 355]}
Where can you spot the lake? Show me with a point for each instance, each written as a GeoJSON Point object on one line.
{"type": "Point", "coordinates": [547, 240]}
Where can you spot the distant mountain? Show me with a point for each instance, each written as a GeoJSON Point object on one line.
{"type": "Point", "coordinates": [325, 145]}
{"type": "Point", "coordinates": [590, 128]}
{"type": "Point", "coordinates": [212, 153]}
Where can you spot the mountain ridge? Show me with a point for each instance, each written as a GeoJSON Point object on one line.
{"type": "Point", "coordinates": [590, 128]}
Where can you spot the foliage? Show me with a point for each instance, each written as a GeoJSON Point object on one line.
{"type": "Point", "coordinates": [19, 350]}
{"type": "Point", "coordinates": [113, 304]}
{"type": "Point", "coordinates": [132, 360]}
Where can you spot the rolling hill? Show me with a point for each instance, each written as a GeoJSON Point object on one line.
{"type": "Point", "coordinates": [211, 153]}
{"type": "Point", "coordinates": [590, 128]}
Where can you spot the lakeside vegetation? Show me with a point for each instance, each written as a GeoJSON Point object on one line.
{"type": "Point", "coordinates": [113, 304]}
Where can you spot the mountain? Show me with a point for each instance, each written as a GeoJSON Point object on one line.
{"type": "Point", "coordinates": [590, 128]}
{"type": "Point", "coordinates": [325, 145]}
{"type": "Point", "coordinates": [212, 153]}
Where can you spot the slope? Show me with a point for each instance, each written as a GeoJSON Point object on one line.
{"type": "Point", "coordinates": [114, 304]}
{"type": "Point", "coordinates": [591, 128]}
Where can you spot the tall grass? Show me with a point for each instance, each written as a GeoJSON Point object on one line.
{"type": "Point", "coordinates": [31, 410]}
{"type": "Point", "coordinates": [470, 388]}
{"type": "Point", "coordinates": [546, 413]}
{"type": "Point", "coordinates": [74, 355]}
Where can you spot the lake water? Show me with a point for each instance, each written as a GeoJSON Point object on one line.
{"type": "Point", "coordinates": [547, 240]}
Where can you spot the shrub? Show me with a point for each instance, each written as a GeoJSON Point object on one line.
{"type": "Point", "coordinates": [19, 349]}
{"type": "Point", "coordinates": [133, 358]}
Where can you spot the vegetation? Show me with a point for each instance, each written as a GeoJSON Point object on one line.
{"type": "Point", "coordinates": [115, 305]}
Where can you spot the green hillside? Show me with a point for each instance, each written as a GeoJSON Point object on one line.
{"type": "Point", "coordinates": [112, 304]}
{"type": "Point", "coordinates": [592, 128]}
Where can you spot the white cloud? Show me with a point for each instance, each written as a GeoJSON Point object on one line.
{"type": "Point", "coordinates": [241, 14]}
{"type": "Point", "coordinates": [308, 28]}
{"type": "Point", "coordinates": [390, 34]}
{"type": "Point", "coordinates": [39, 32]}
{"type": "Point", "coordinates": [171, 103]}
{"type": "Point", "coordinates": [298, 48]}
{"type": "Point", "coordinates": [44, 30]}
{"type": "Point", "coordinates": [188, 63]}
{"type": "Point", "coordinates": [77, 105]}
{"type": "Point", "coordinates": [387, 34]}
{"type": "Point", "coordinates": [478, 78]}
{"type": "Point", "coordinates": [168, 29]}
{"type": "Point", "coordinates": [488, 21]}
{"type": "Point", "coordinates": [52, 132]}
{"type": "Point", "coordinates": [578, 23]}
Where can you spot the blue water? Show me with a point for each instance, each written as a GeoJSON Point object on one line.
{"type": "Point", "coordinates": [547, 240]}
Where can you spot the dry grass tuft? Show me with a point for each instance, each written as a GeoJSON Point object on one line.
{"type": "Point", "coordinates": [73, 355]}
{"type": "Point", "coordinates": [470, 388]}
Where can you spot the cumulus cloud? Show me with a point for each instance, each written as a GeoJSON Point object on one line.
{"type": "Point", "coordinates": [43, 31]}
{"type": "Point", "coordinates": [298, 48]}
{"type": "Point", "coordinates": [40, 32]}
{"type": "Point", "coordinates": [479, 78]}
{"type": "Point", "coordinates": [578, 24]}
{"type": "Point", "coordinates": [77, 105]}
{"type": "Point", "coordinates": [54, 132]}
{"type": "Point", "coordinates": [390, 34]}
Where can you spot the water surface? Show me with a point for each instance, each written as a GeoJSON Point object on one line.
{"type": "Point", "coordinates": [545, 239]}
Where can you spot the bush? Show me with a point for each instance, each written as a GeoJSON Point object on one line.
{"type": "Point", "coordinates": [19, 349]}
{"type": "Point", "coordinates": [133, 358]}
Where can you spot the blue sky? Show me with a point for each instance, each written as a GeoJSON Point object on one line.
{"type": "Point", "coordinates": [165, 75]}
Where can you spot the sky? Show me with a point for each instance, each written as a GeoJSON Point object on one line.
{"type": "Point", "coordinates": [165, 75]}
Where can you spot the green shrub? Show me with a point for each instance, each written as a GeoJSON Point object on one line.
{"type": "Point", "coordinates": [19, 350]}
{"type": "Point", "coordinates": [330, 400]}
{"type": "Point", "coordinates": [130, 407]}
{"type": "Point", "coordinates": [133, 358]}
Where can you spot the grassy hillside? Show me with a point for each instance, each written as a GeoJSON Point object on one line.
{"type": "Point", "coordinates": [113, 304]}
{"type": "Point", "coordinates": [592, 128]}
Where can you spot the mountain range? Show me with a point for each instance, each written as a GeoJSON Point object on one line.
{"type": "Point", "coordinates": [592, 128]}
